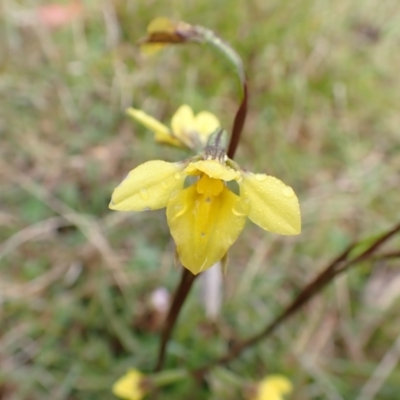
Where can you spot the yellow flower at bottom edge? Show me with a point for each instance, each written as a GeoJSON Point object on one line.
{"type": "Point", "coordinates": [206, 218]}
{"type": "Point", "coordinates": [273, 387]}
{"type": "Point", "coordinates": [187, 129]}
{"type": "Point", "coordinates": [130, 386]}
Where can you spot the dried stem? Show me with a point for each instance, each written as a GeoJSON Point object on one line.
{"type": "Point", "coordinates": [339, 265]}
{"type": "Point", "coordinates": [187, 279]}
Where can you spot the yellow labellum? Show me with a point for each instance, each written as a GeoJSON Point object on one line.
{"type": "Point", "coordinates": [205, 220]}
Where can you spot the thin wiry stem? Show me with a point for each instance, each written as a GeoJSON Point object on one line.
{"type": "Point", "coordinates": [187, 279]}
{"type": "Point", "coordinates": [238, 123]}
{"type": "Point", "coordinates": [339, 265]}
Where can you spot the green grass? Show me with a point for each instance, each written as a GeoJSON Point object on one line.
{"type": "Point", "coordinates": [75, 278]}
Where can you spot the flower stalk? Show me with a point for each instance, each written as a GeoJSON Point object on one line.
{"type": "Point", "coordinates": [183, 289]}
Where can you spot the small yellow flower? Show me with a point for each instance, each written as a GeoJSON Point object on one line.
{"type": "Point", "coordinates": [130, 386]}
{"type": "Point", "coordinates": [273, 387]}
{"type": "Point", "coordinates": [187, 129]}
{"type": "Point", "coordinates": [162, 31]}
{"type": "Point", "coordinates": [206, 217]}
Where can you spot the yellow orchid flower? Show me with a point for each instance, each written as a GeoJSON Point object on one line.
{"type": "Point", "coordinates": [187, 129]}
{"type": "Point", "coordinates": [273, 387]}
{"type": "Point", "coordinates": [161, 31]}
{"type": "Point", "coordinates": [131, 386]}
{"type": "Point", "coordinates": [206, 217]}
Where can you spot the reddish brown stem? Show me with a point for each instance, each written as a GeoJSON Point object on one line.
{"type": "Point", "coordinates": [238, 123]}
{"type": "Point", "coordinates": [187, 279]}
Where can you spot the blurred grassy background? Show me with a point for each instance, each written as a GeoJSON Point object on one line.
{"type": "Point", "coordinates": [76, 279]}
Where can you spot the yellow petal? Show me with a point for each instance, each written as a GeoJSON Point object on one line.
{"type": "Point", "coordinates": [205, 123]}
{"type": "Point", "coordinates": [193, 130]}
{"type": "Point", "coordinates": [204, 226]}
{"type": "Point", "coordinates": [162, 133]}
{"type": "Point", "coordinates": [129, 386]}
{"type": "Point", "coordinates": [209, 186]}
{"type": "Point", "coordinates": [148, 121]}
{"type": "Point", "coordinates": [273, 387]}
{"type": "Point", "coordinates": [149, 49]}
{"type": "Point", "coordinates": [161, 24]}
{"type": "Point", "coordinates": [273, 205]}
{"type": "Point", "coordinates": [214, 169]}
{"type": "Point", "coordinates": [182, 124]}
{"type": "Point", "coordinates": [148, 187]}
{"type": "Point", "coordinates": [168, 140]}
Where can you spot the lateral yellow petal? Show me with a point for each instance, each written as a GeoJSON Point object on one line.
{"type": "Point", "coordinates": [273, 205]}
{"type": "Point", "coordinates": [205, 123]}
{"type": "Point", "coordinates": [204, 226]}
{"type": "Point", "coordinates": [214, 169]}
{"type": "Point", "coordinates": [162, 132]}
{"type": "Point", "coordinates": [148, 121]}
{"type": "Point", "coordinates": [167, 139]}
{"type": "Point", "coordinates": [148, 187]}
